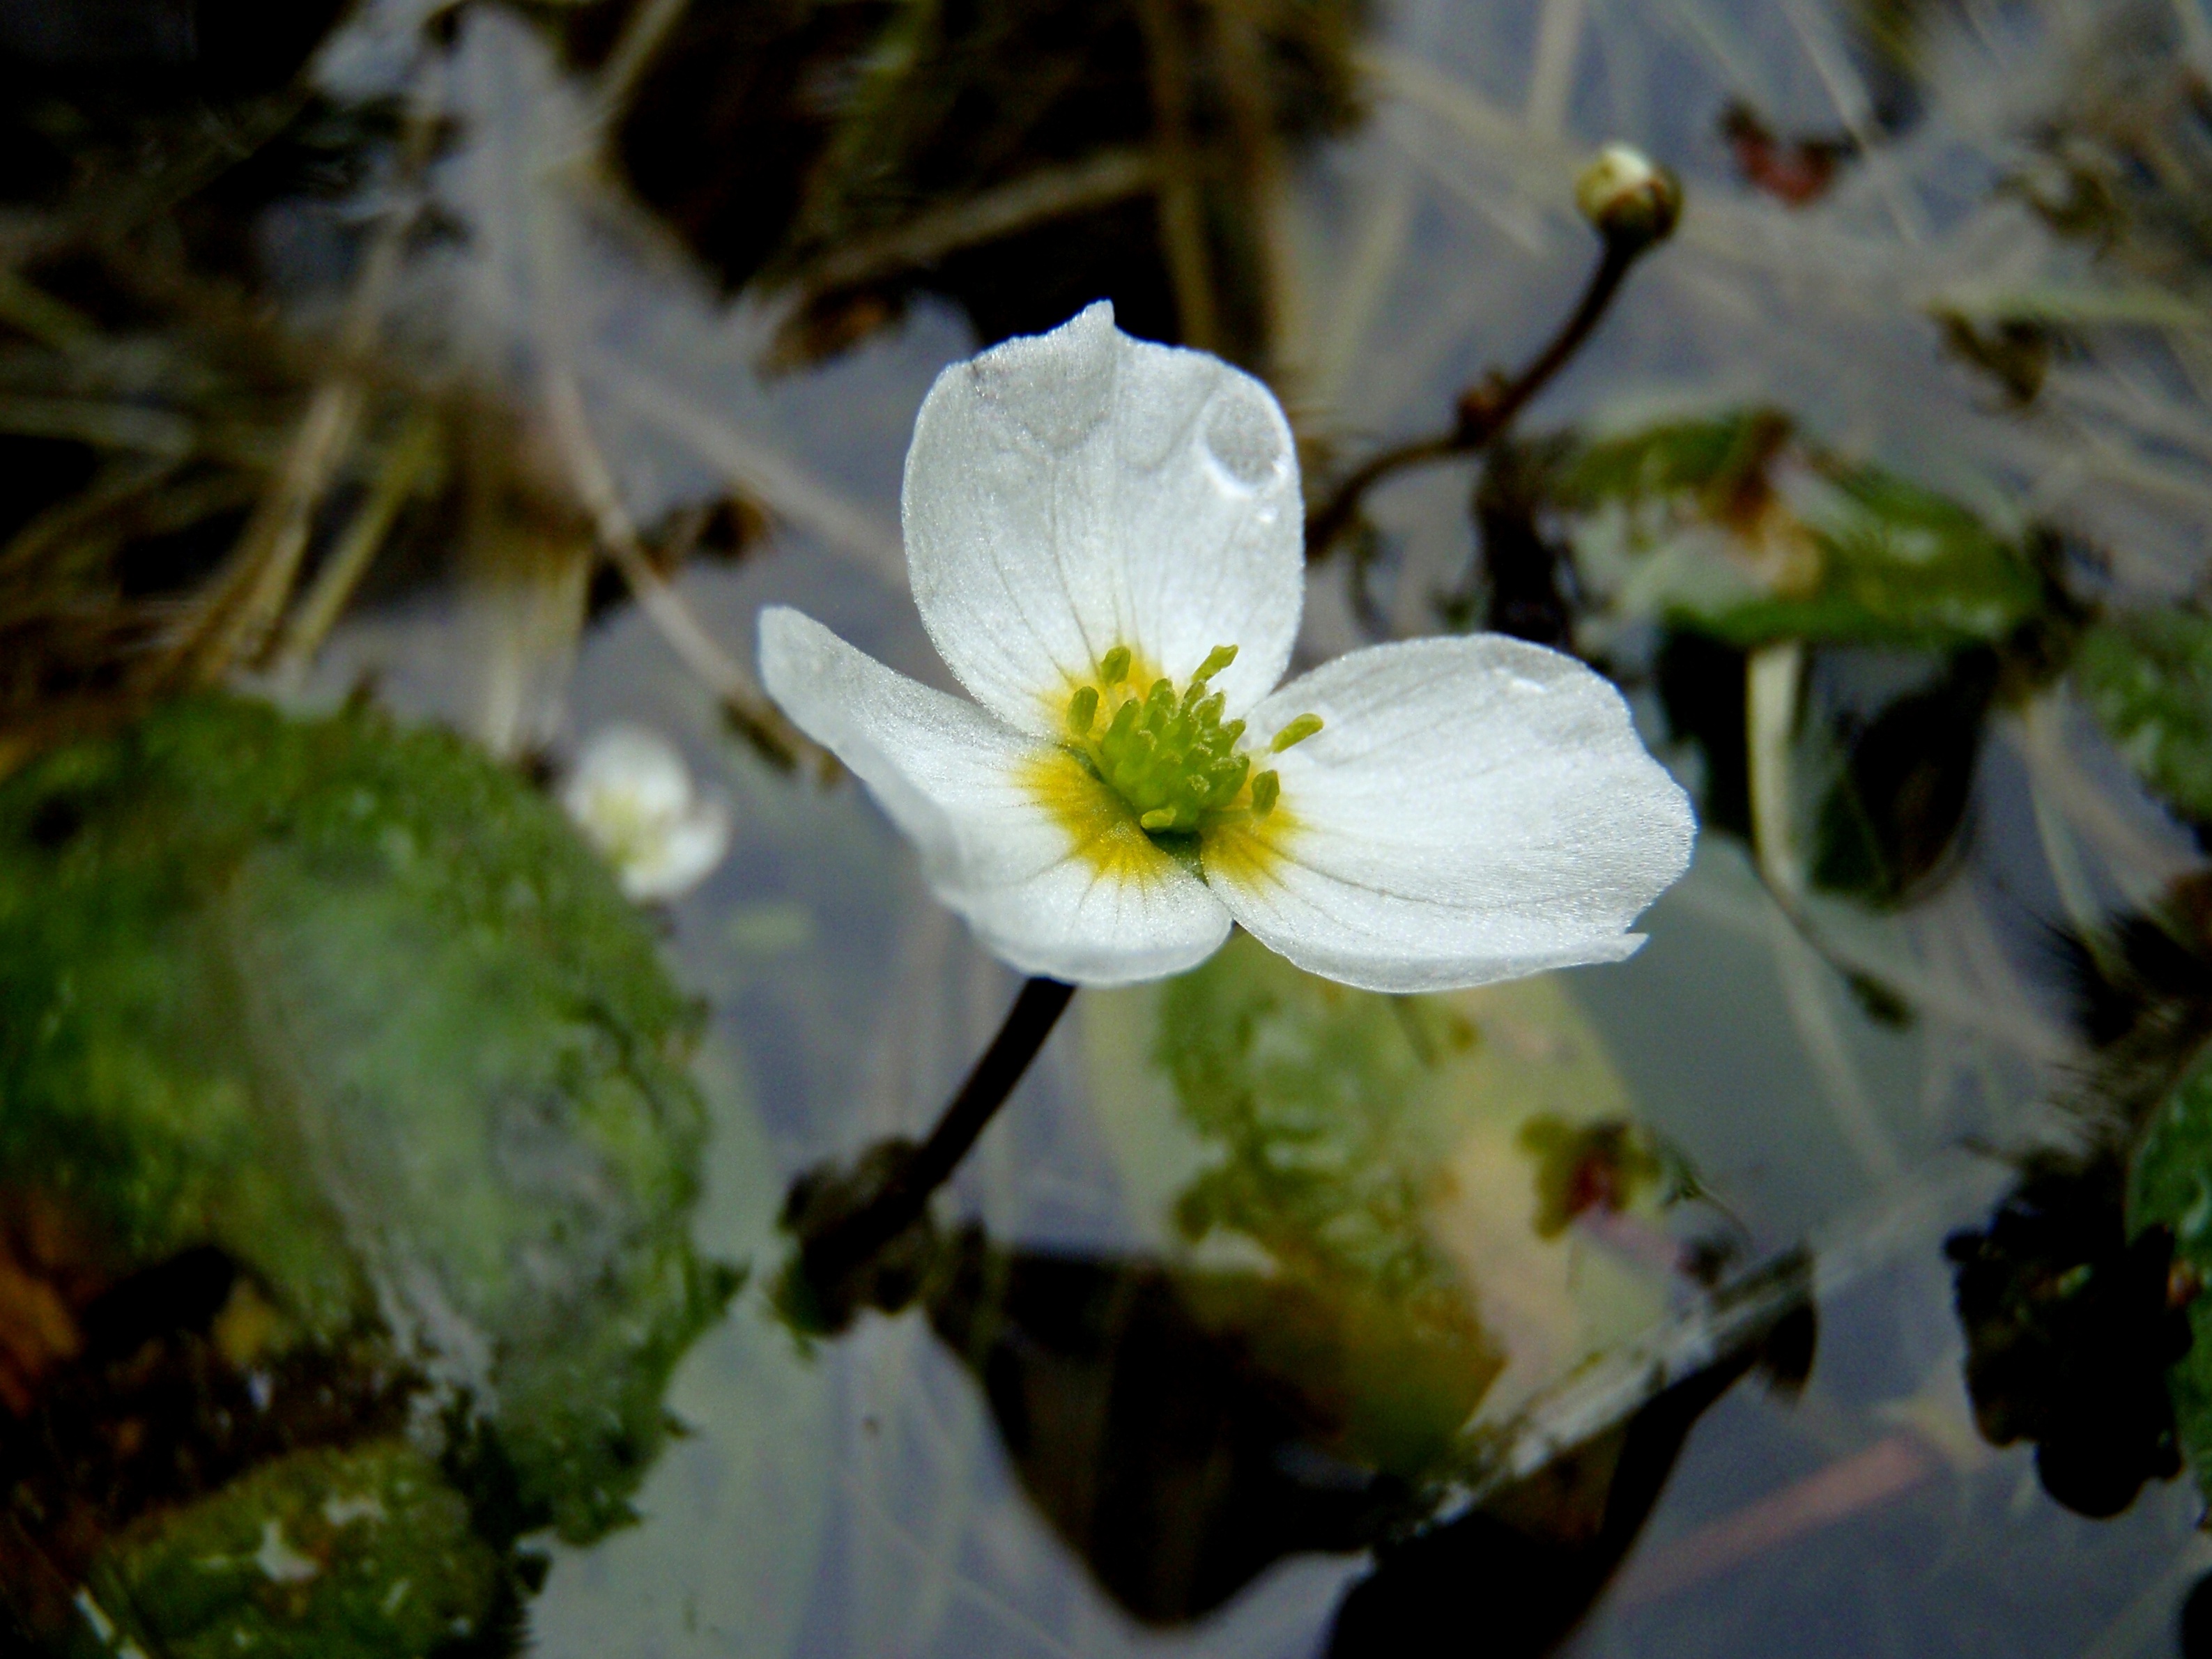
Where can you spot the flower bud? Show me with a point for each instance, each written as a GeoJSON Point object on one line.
{"type": "Point", "coordinates": [1629, 196]}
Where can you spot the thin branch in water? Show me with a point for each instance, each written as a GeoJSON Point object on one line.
{"type": "Point", "coordinates": [1487, 410]}
{"type": "Point", "coordinates": [640, 40]}
{"type": "Point", "coordinates": [1240, 55]}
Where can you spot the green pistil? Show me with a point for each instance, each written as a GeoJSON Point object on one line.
{"type": "Point", "coordinates": [1173, 758]}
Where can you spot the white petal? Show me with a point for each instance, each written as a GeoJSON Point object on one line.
{"type": "Point", "coordinates": [1105, 907]}
{"type": "Point", "coordinates": [1074, 491]}
{"type": "Point", "coordinates": [641, 769]}
{"type": "Point", "coordinates": [683, 855]}
{"type": "Point", "coordinates": [1472, 810]}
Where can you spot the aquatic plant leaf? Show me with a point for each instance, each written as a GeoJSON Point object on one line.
{"type": "Point", "coordinates": [1367, 1147]}
{"type": "Point", "coordinates": [356, 1008]}
{"type": "Point", "coordinates": [2147, 676]}
{"type": "Point", "coordinates": [1182, 1428]}
{"type": "Point", "coordinates": [1890, 824]}
{"type": "Point", "coordinates": [1735, 529]}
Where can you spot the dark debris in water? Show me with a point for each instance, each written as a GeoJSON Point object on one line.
{"type": "Point", "coordinates": [2071, 1326]}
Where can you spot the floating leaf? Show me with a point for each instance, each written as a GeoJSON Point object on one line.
{"type": "Point", "coordinates": [1890, 823]}
{"type": "Point", "coordinates": [2146, 675]}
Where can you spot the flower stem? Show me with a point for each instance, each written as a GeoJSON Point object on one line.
{"type": "Point", "coordinates": [844, 1240]}
{"type": "Point", "coordinates": [1487, 410]}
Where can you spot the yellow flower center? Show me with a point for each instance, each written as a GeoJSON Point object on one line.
{"type": "Point", "coordinates": [1170, 756]}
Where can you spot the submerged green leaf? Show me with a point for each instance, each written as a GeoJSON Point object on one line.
{"type": "Point", "coordinates": [1367, 1151]}
{"type": "Point", "coordinates": [2147, 676]}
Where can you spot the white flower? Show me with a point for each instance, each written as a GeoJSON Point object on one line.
{"type": "Point", "coordinates": [1090, 520]}
{"type": "Point", "coordinates": [632, 796]}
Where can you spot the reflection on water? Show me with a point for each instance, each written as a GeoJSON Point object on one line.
{"type": "Point", "coordinates": [373, 1178]}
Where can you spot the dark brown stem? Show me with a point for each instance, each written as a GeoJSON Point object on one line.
{"type": "Point", "coordinates": [1485, 410]}
{"type": "Point", "coordinates": [848, 1240]}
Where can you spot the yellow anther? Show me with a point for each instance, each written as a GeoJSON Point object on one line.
{"type": "Point", "coordinates": [1114, 666]}
{"type": "Point", "coordinates": [1265, 788]}
{"type": "Point", "coordinates": [1296, 731]}
{"type": "Point", "coordinates": [1160, 817]}
{"type": "Point", "coordinates": [1082, 710]}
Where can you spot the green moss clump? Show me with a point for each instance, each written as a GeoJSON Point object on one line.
{"type": "Point", "coordinates": [353, 1006]}
{"type": "Point", "coordinates": [361, 1553]}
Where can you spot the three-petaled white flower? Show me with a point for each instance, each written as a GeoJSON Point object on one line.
{"type": "Point", "coordinates": [1105, 539]}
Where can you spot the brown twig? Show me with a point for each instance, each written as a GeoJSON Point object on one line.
{"type": "Point", "coordinates": [1485, 410]}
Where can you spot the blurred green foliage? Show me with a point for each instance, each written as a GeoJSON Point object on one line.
{"type": "Point", "coordinates": [2170, 1185]}
{"type": "Point", "coordinates": [2146, 675]}
{"type": "Point", "coordinates": [1362, 1150]}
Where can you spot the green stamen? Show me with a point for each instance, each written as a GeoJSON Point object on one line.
{"type": "Point", "coordinates": [1216, 659]}
{"type": "Point", "coordinates": [1296, 731]}
{"type": "Point", "coordinates": [1169, 755]}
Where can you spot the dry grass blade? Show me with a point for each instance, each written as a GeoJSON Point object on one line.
{"type": "Point", "coordinates": [1050, 193]}
{"type": "Point", "coordinates": [747, 706]}
{"type": "Point", "coordinates": [411, 460]}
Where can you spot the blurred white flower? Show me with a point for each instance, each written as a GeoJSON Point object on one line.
{"type": "Point", "coordinates": [1105, 539]}
{"type": "Point", "coordinates": [633, 797]}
